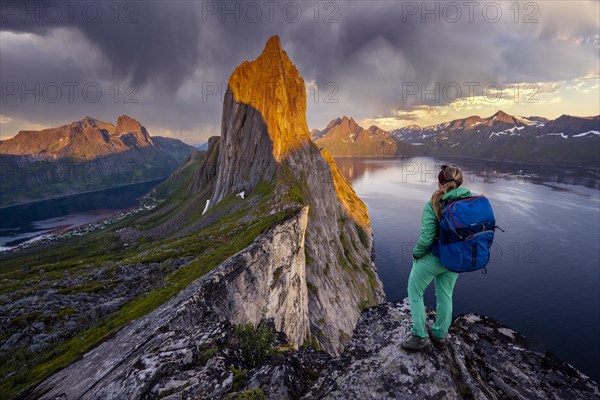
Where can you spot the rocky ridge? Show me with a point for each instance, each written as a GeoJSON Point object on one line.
{"type": "Point", "coordinates": [343, 137]}
{"type": "Point", "coordinates": [86, 139]}
{"type": "Point", "coordinates": [195, 356]}
{"type": "Point", "coordinates": [265, 138]}
{"type": "Point", "coordinates": [484, 360]}
{"type": "Point", "coordinates": [82, 156]}
{"type": "Point", "coordinates": [567, 140]}
{"type": "Point", "coordinates": [264, 281]}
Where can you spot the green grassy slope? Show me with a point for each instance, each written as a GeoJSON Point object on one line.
{"type": "Point", "coordinates": [225, 229]}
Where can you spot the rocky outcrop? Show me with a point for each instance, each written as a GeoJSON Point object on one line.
{"type": "Point", "coordinates": [351, 203]}
{"type": "Point", "coordinates": [265, 281]}
{"type": "Point", "coordinates": [340, 270]}
{"type": "Point", "coordinates": [272, 284]}
{"type": "Point", "coordinates": [264, 120]}
{"type": "Point", "coordinates": [485, 360]}
{"type": "Point", "coordinates": [131, 132]}
{"type": "Point", "coordinates": [204, 177]}
{"type": "Point", "coordinates": [265, 138]}
{"type": "Point", "coordinates": [273, 86]}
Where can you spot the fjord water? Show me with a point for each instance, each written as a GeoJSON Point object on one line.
{"type": "Point", "coordinates": [26, 222]}
{"type": "Point", "coordinates": [543, 279]}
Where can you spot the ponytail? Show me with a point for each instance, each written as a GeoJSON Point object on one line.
{"type": "Point", "coordinates": [451, 176]}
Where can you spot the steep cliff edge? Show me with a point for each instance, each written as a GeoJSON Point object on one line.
{"type": "Point", "coordinates": [265, 137]}
{"type": "Point", "coordinates": [264, 281]}
{"type": "Point", "coordinates": [484, 360]}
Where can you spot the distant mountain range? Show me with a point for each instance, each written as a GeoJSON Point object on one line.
{"type": "Point", "coordinates": [84, 155]}
{"type": "Point", "coordinates": [343, 137]}
{"type": "Point", "coordinates": [565, 140]}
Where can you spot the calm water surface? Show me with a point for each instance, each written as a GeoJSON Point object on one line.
{"type": "Point", "coordinates": [27, 222]}
{"type": "Point", "coordinates": [543, 280]}
{"type": "Point", "coordinates": [544, 276]}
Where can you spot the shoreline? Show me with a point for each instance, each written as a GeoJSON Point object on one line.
{"type": "Point", "coordinates": [586, 167]}
{"type": "Point", "coordinates": [75, 230]}
{"type": "Point", "coordinates": [57, 197]}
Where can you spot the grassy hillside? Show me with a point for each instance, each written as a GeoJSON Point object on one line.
{"type": "Point", "coordinates": [98, 266]}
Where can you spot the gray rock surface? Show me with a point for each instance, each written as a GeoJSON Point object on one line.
{"type": "Point", "coordinates": [485, 360]}
{"type": "Point", "coordinates": [340, 263]}
{"type": "Point", "coordinates": [264, 281]}
{"type": "Point", "coordinates": [246, 154]}
{"type": "Point", "coordinates": [193, 356]}
{"type": "Point", "coordinates": [264, 137]}
{"type": "Point", "coordinates": [37, 319]}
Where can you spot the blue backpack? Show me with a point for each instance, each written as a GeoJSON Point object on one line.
{"type": "Point", "coordinates": [465, 234]}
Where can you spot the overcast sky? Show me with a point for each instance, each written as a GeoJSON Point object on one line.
{"type": "Point", "coordinates": [389, 63]}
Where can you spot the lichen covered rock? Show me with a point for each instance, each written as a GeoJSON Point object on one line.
{"type": "Point", "coordinates": [484, 360]}
{"type": "Point", "coordinates": [263, 281]}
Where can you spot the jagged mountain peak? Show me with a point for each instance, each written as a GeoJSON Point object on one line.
{"type": "Point", "coordinates": [127, 124]}
{"type": "Point", "coordinates": [501, 116]}
{"type": "Point", "coordinates": [86, 138]}
{"type": "Point", "coordinates": [91, 122]}
{"type": "Point", "coordinates": [334, 122]}
{"type": "Point", "coordinates": [349, 120]}
{"type": "Point", "coordinates": [346, 123]}
{"type": "Point", "coordinates": [264, 121]}
{"type": "Point", "coordinates": [132, 132]}
{"type": "Point", "coordinates": [273, 86]}
{"type": "Point", "coordinates": [374, 129]}
{"type": "Point", "coordinates": [265, 140]}
{"type": "Point", "coordinates": [344, 137]}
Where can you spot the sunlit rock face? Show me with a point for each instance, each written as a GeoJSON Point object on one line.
{"type": "Point", "coordinates": [264, 120]}
{"type": "Point", "coordinates": [86, 139]}
{"type": "Point", "coordinates": [84, 155]}
{"type": "Point", "coordinates": [265, 137]}
{"type": "Point", "coordinates": [343, 137]}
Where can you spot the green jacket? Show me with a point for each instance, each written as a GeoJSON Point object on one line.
{"type": "Point", "coordinates": [429, 222]}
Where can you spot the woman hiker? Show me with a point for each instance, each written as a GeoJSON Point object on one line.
{"type": "Point", "coordinates": [426, 267]}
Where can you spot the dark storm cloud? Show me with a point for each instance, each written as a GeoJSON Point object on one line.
{"type": "Point", "coordinates": [144, 40]}
{"type": "Point", "coordinates": [177, 52]}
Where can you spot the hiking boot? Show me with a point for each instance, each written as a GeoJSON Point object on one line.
{"type": "Point", "coordinates": [440, 343]}
{"type": "Point", "coordinates": [416, 343]}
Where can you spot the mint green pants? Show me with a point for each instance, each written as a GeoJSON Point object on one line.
{"type": "Point", "coordinates": [424, 270]}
